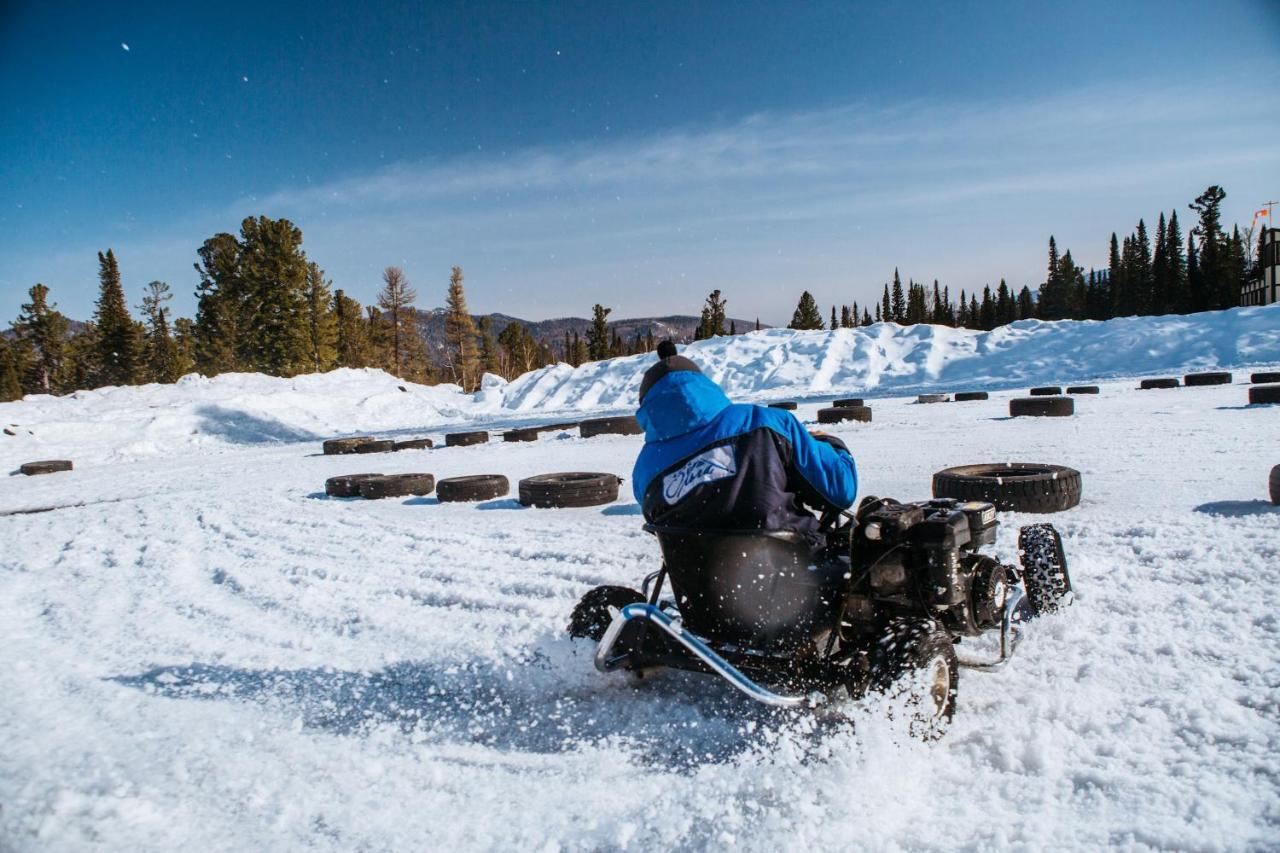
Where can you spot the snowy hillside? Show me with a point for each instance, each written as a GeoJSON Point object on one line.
{"type": "Point", "coordinates": [199, 414]}
{"type": "Point", "coordinates": [209, 654]}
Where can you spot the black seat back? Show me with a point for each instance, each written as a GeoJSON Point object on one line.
{"type": "Point", "coordinates": [755, 588]}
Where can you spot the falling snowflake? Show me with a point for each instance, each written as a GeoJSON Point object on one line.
{"type": "Point", "coordinates": [125, 46]}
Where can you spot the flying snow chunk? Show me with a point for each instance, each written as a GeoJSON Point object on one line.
{"type": "Point", "coordinates": [125, 46]}
{"type": "Point", "coordinates": [245, 79]}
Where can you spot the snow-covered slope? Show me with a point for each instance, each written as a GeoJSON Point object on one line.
{"type": "Point", "coordinates": [199, 414]}
{"type": "Point", "coordinates": [222, 659]}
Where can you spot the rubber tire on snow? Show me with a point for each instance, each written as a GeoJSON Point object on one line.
{"type": "Point", "coordinates": [591, 616]}
{"type": "Point", "coordinates": [346, 486]}
{"type": "Point", "coordinates": [1012, 486]}
{"type": "Point", "coordinates": [610, 426]}
{"type": "Point", "coordinates": [396, 486]}
{"type": "Point", "coordinates": [848, 403]}
{"type": "Point", "coordinates": [1191, 380]}
{"type": "Point", "coordinates": [1047, 391]}
{"type": "Point", "coordinates": [966, 396]}
{"type": "Point", "coordinates": [906, 649]}
{"type": "Point", "coordinates": [520, 435]}
{"type": "Point", "coordinates": [1264, 378]}
{"type": "Point", "coordinates": [789, 405]}
{"type": "Point", "coordinates": [845, 413]}
{"type": "Point", "coordinates": [384, 446]}
{"type": "Point", "coordinates": [477, 487]}
{"type": "Point", "coordinates": [933, 398]}
{"type": "Point", "coordinates": [338, 446]}
{"type": "Point", "coordinates": [47, 466]}
{"type": "Point", "coordinates": [414, 444]}
{"type": "Point", "coordinates": [1084, 389]}
{"type": "Point", "coordinates": [570, 489]}
{"type": "Point", "coordinates": [1274, 485]}
{"type": "Point", "coordinates": [1044, 568]}
{"type": "Point", "coordinates": [1162, 382]}
{"type": "Point", "coordinates": [1264, 394]}
{"type": "Point", "coordinates": [1042, 407]}
{"type": "Point", "coordinates": [466, 439]}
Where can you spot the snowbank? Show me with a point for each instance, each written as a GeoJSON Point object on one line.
{"type": "Point", "coordinates": [885, 359]}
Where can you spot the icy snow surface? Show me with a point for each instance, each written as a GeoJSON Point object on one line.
{"type": "Point", "coordinates": [209, 654]}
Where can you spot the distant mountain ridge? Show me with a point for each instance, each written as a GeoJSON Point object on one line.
{"type": "Point", "coordinates": [679, 327]}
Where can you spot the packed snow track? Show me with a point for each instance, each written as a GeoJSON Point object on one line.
{"type": "Point", "coordinates": [209, 654]}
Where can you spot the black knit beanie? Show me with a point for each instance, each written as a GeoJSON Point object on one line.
{"type": "Point", "coordinates": [668, 362]}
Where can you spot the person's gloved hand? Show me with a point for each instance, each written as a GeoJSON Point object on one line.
{"type": "Point", "coordinates": [829, 439]}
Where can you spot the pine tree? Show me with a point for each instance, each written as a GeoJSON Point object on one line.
{"type": "Point", "coordinates": [757, 329]}
{"type": "Point", "coordinates": [184, 345]}
{"type": "Point", "coordinates": [351, 345]}
{"type": "Point", "coordinates": [396, 301]}
{"type": "Point", "coordinates": [118, 342]}
{"type": "Point", "coordinates": [10, 387]}
{"type": "Point", "coordinates": [598, 333]}
{"type": "Point", "coordinates": [1005, 308]}
{"type": "Point", "coordinates": [806, 315]}
{"type": "Point", "coordinates": [1115, 279]}
{"type": "Point", "coordinates": [580, 352]}
{"type": "Point", "coordinates": [273, 275]}
{"type": "Point", "coordinates": [1214, 266]}
{"type": "Point", "coordinates": [1159, 300]}
{"type": "Point", "coordinates": [885, 314]}
{"type": "Point", "coordinates": [161, 351]}
{"type": "Point", "coordinates": [975, 313]}
{"type": "Point", "coordinates": [322, 325]}
{"type": "Point", "coordinates": [866, 317]}
{"type": "Point", "coordinates": [80, 360]}
{"type": "Point", "coordinates": [216, 332]}
{"type": "Point", "coordinates": [1026, 304]}
{"type": "Point", "coordinates": [460, 334]}
{"type": "Point", "coordinates": [490, 360]}
{"type": "Point", "coordinates": [1176, 298]}
{"type": "Point", "coordinates": [712, 317]}
{"type": "Point", "coordinates": [1195, 286]}
{"type": "Point", "coordinates": [987, 310]}
{"type": "Point", "coordinates": [1237, 268]}
{"type": "Point", "coordinates": [1054, 301]}
{"type": "Point", "coordinates": [518, 352]}
{"type": "Point", "coordinates": [962, 315]}
{"type": "Point", "coordinates": [899, 303]}
{"type": "Point", "coordinates": [733, 330]}
{"type": "Point", "coordinates": [845, 322]}
{"type": "Point", "coordinates": [1140, 274]}
{"type": "Point", "coordinates": [43, 331]}
{"type": "Point", "coordinates": [834, 323]}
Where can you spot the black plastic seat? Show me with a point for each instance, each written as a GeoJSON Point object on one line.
{"type": "Point", "coordinates": [759, 589]}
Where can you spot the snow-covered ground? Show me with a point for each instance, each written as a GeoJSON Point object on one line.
{"type": "Point", "coordinates": [211, 655]}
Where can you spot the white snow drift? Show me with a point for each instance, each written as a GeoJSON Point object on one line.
{"type": "Point", "coordinates": [208, 654]}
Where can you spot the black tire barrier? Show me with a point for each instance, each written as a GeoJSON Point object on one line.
{"type": "Point", "coordinates": [789, 405]}
{"type": "Point", "coordinates": [338, 446]}
{"type": "Point", "coordinates": [466, 439]}
{"type": "Point", "coordinates": [572, 489]}
{"type": "Point", "coordinates": [47, 466]}
{"type": "Point", "coordinates": [1191, 380]}
{"type": "Point", "coordinates": [1084, 389]}
{"type": "Point", "coordinates": [477, 487]}
{"type": "Point", "coordinates": [346, 486]}
{"type": "Point", "coordinates": [1264, 394]}
{"type": "Point", "coordinates": [1012, 486]}
{"type": "Point", "coordinates": [520, 435]}
{"type": "Point", "coordinates": [845, 413]}
{"type": "Point", "coordinates": [934, 398]}
{"type": "Point", "coordinates": [966, 396]}
{"type": "Point", "coordinates": [610, 426]}
{"type": "Point", "coordinates": [1264, 378]}
{"type": "Point", "coordinates": [414, 444]}
{"type": "Point", "coordinates": [1273, 485]}
{"type": "Point", "coordinates": [382, 446]}
{"type": "Point", "coordinates": [1042, 407]}
{"type": "Point", "coordinates": [561, 427]}
{"type": "Point", "coordinates": [396, 486]}
{"type": "Point", "coordinates": [846, 403]}
{"type": "Point", "coordinates": [1163, 382]}
{"type": "Point", "coordinates": [1047, 391]}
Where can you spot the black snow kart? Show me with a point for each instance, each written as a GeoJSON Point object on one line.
{"type": "Point", "coordinates": [881, 609]}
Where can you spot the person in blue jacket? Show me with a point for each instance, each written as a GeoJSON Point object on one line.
{"type": "Point", "coordinates": [712, 464]}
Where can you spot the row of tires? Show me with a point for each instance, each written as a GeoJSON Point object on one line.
{"type": "Point", "coordinates": [548, 491]}
{"type": "Point", "coordinates": [587, 429]}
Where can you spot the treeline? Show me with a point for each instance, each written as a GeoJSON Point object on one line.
{"type": "Point", "coordinates": [1144, 276]}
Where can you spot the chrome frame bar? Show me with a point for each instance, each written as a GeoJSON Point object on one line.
{"type": "Point", "coordinates": [695, 646]}
{"type": "Point", "coordinates": [1008, 636]}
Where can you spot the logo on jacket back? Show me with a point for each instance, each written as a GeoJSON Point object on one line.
{"type": "Point", "coordinates": [717, 463]}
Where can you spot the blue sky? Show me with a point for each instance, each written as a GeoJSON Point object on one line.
{"type": "Point", "coordinates": [636, 154]}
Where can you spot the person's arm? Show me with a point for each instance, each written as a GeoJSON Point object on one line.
{"type": "Point", "coordinates": [826, 464]}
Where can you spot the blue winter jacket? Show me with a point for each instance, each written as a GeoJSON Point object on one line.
{"type": "Point", "coordinates": [713, 464]}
